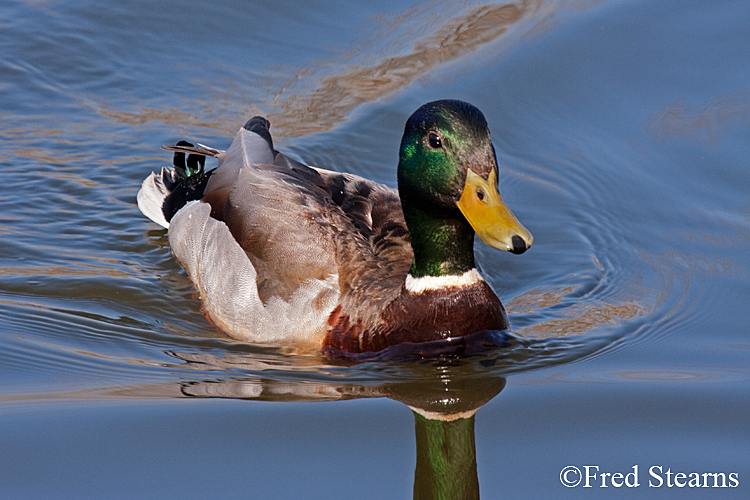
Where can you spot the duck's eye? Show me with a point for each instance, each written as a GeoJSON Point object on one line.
{"type": "Point", "coordinates": [435, 141]}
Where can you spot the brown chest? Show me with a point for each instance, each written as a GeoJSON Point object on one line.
{"type": "Point", "coordinates": [419, 317]}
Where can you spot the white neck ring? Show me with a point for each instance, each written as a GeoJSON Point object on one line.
{"type": "Point", "coordinates": [432, 283]}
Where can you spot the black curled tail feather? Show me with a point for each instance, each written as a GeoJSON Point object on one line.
{"type": "Point", "coordinates": [189, 179]}
{"type": "Point", "coordinates": [193, 165]}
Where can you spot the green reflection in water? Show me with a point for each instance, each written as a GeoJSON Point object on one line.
{"type": "Point", "coordinates": [444, 410]}
{"type": "Point", "coordinates": [446, 459]}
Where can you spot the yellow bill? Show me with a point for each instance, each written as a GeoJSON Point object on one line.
{"type": "Point", "coordinates": [490, 217]}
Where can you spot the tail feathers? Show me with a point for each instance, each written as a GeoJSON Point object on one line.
{"type": "Point", "coordinates": [162, 195]}
{"type": "Point", "coordinates": [154, 191]}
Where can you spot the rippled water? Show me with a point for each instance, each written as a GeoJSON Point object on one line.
{"type": "Point", "coordinates": [622, 130]}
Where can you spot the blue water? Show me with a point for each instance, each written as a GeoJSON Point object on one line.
{"type": "Point", "coordinates": [622, 131]}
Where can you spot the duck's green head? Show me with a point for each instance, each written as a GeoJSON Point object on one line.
{"type": "Point", "coordinates": [447, 179]}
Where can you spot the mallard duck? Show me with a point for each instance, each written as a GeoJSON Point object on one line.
{"type": "Point", "coordinates": [286, 253]}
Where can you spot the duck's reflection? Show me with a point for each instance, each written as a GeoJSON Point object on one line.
{"type": "Point", "coordinates": [444, 411]}
{"type": "Point", "coordinates": [444, 397]}
{"type": "Point", "coordinates": [446, 458]}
